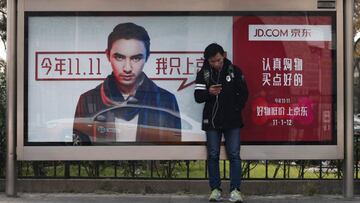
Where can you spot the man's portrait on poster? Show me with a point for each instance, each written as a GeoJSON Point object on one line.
{"type": "Point", "coordinates": [127, 106]}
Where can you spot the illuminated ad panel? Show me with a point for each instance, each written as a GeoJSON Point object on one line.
{"type": "Point", "coordinates": [76, 95]}
{"type": "Point", "coordinates": [289, 63]}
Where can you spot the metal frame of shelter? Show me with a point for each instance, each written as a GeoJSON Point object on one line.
{"type": "Point", "coordinates": [15, 61]}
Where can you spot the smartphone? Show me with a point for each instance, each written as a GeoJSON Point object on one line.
{"type": "Point", "coordinates": [217, 85]}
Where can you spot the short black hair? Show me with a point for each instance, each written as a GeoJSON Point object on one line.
{"type": "Point", "coordinates": [213, 49]}
{"type": "Point", "coordinates": [129, 31]}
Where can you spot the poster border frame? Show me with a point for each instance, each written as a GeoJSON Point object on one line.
{"type": "Point", "coordinates": [332, 14]}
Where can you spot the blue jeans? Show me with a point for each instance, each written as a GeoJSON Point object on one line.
{"type": "Point", "coordinates": [232, 146]}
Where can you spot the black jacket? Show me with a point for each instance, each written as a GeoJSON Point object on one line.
{"type": "Point", "coordinates": [223, 112]}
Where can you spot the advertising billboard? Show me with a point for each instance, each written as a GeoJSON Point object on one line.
{"type": "Point", "coordinates": [71, 80]}
{"type": "Point", "coordinates": [290, 66]}
{"type": "Point", "coordinates": [287, 59]}
{"type": "Point", "coordinates": [115, 82]}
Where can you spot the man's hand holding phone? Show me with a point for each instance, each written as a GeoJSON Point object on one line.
{"type": "Point", "coordinates": [215, 89]}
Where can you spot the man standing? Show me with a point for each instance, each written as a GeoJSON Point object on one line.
{"type": "Point", "coordinates": [222, 87]}
{"type": "Point", "coordinates": [127, 106]}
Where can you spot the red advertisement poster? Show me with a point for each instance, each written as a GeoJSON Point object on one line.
{"type": "Point", "coordinates": [289, 66]}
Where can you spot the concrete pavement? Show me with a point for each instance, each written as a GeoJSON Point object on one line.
{"type": "Point", "coordinates": [163, 198]}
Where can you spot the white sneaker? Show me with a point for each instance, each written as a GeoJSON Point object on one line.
{"type": "Point", "coordinates": [215, 196]}
{"type": "Point", "coordinates": [235, 196]}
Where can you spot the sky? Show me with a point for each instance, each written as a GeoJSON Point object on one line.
{"type": "Point", "coordinates": [357, 36]}
{"type": "Point", "coordinates": [2, 51]}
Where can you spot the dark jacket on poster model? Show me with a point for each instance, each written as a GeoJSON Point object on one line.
{"type": "Point", "coordinates": [222, 111]}
{"type": "Point", "coordinates": [157, 110]}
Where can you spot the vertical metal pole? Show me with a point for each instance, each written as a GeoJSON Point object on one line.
{"type": "Point", "coordinates": [187, 169]}
{"type": "Point", "coordinates": [349, 117]}
{"type": "Point", "coordinates": [266, 169]}
{"type": "Point", "coordinates": [11, 99]}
